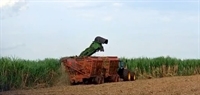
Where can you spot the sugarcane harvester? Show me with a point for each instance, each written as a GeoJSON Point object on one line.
{"type": "Point", "coordinates": [86, 68]}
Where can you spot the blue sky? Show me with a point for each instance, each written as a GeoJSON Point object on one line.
{"type": "Point", "coordinates": [38, 29]}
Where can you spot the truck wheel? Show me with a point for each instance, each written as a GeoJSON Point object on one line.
{"type": "Point", "coordinates": [98, 80]}
{"type": "Point", "coordinates": [117, 78]}
{"type": "Point", "coordinates": [102, 79]}
{"type": "Point", "coordinates": [126, 75]}
{"type": "Point", "coordinates": [86, 81]}
{"type": "Point", "coordinates": [133, 78]}
{"type": "Point", "coordinates": [72, 82]}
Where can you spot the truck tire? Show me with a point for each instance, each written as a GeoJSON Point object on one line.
{"type": "Point", "coordinates": [133, 77]}
{"type": "Point", "coordinates": [117, 78]}
{"type": "Point", "coordinates": [126, 75]}
{"type": "Point", "coordinates": [99, 80]}
{"type": "Point", "coordinates": [102, 80]}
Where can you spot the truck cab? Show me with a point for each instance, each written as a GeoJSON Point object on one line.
{"type": "Point", "coordinates": [124, 73]}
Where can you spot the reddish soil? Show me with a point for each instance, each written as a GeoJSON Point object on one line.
{"type": "Point", "coordinates": [180, 85]}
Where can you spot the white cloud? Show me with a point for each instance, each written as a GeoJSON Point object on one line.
{"type": "Point", "coordinates": [9, 3]}
{"type": "Point", "coordinates": [11, 8]}
{"type": "Point", "coordinates": [6, 3]}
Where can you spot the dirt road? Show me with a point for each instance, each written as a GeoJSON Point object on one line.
{"type": "Point", "coordinates": [182, 85]}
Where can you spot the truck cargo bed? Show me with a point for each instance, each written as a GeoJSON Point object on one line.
{"type": "Point", "coordinates": [93, 69]}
